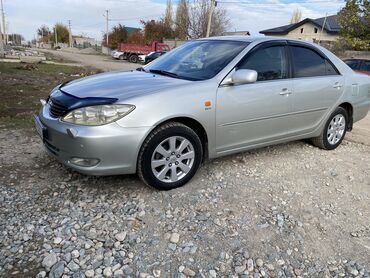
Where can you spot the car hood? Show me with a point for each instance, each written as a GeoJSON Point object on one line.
{"type": "Point", "coordinates": [120, 85]}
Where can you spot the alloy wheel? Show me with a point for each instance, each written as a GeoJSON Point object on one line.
{"type": "Point", "coordinates": [172, 159]}
{"type": "Point", "coordinates": [336, 129]}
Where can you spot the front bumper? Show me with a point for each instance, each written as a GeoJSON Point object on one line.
{"type": "Point", "coordinates": [114, 146]}
{"type": "Point", "coordinates": [117, 55]}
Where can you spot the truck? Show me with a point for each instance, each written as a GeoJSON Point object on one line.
{"type": "Point", "coordinates": [132, 51]}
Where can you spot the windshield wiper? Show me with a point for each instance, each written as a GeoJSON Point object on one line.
{"type": "Point", "coordinates": [164, 72]}
{"type": "Point", "coordinates": [141, 69]}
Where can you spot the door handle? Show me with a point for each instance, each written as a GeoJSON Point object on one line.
{"type": "Point", "coordinates": [337, 85]}
{"type": "Point", "coordinates": [285, 92]}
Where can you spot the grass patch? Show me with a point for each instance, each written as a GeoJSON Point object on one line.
{"type": "Point", "coordinates": [23, 85]}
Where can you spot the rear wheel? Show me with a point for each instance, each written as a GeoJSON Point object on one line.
{"type": "Point", "coordinates": [170, 156]}
{"type": "Point", "coordinates": [134, 58]}
{"type": "Point", "coordinates": [334, 131]}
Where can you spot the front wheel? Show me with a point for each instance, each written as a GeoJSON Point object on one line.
{"type": "Point", "coordinates": [170, 156]}
{"type": "Point", "coordinates": [334, 131]}
{"type": "Point", "coordinates": [134, 59]}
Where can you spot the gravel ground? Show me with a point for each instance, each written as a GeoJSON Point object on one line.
{"type": "Point", "coordinates": [285, 211]}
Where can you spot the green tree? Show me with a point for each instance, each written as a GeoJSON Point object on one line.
{"type": "Point", "coordinates": [355, 24]}
{"type": "Point", "coordinates": [62, 33]}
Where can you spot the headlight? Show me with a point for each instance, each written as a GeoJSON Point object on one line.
{"type": "Point", "coordinates": [98, 115]}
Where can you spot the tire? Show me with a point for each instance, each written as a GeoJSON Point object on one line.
{"type": "Point", "coordinates": [334, 131]}
{"type": "Point", "coordinates": [174, 167]}
{"type": "Point", "coordinates": [134, 59]}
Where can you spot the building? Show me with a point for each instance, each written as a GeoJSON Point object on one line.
{"type": "Point", "coordinates": [322, 29]}
{"type": "Point", "coordinates": [131, 29]}
{"type": "Point", "coordinates": [83, 42]}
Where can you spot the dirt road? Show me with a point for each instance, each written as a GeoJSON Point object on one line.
{"type": "Point", "coordinates": [361, 131]}
{"type": "Point", "coordinates": [101, 62]}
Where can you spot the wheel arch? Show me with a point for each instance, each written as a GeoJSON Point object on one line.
{"type": "Point", "coordinates": [349, 108]}
{"type": "Point", "coordinates": [194, 125]}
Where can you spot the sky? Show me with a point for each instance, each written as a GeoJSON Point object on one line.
{"type": "Point", "coordinates": [25, 16]}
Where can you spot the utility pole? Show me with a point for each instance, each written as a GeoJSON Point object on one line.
{"type": "Point", "coordinates": [322, 28]}
{"type": "Point", "coordinates": [3, 16]}
{"type": "Point", "coordinates": [211, 9]}
{"type": "Point", "coordinates": [70, 33]}
{"type": "Point", "coordinates": [106, 26]}
{"type": "Point", "coordinates": [1, 44]}
{"type": "Point", "coordinates": [56, 36]}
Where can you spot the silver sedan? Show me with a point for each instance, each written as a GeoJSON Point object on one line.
{"type": "Point", "coordinates": [205, 99]}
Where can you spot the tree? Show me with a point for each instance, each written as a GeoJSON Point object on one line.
{"type": "Point", "coordinates": [136, 37]}
{"type": "Point", "coordinates": [355, 24]}
{"type": "Point", "coordinates": [116, 36]}
{"type": "Point", "coordinates": [156, 30]}
{"type": "Point", "coordinates": [44, 34]}
{"type": "Point", "coordinates": [198, 19]}
{"type": "Point", "coordinates": [182, 20]}
{"type": "Point", "coordinates": [62, 33]}
{"type": "Point", "coordinates": [168, 21]}
{"type": "Point", "coordinates": [296, 16]}
{"type": "Point", "coordinates": [16, 38]}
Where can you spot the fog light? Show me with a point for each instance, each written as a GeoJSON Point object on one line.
{"type": "Point", "coordinates": [84, 162]}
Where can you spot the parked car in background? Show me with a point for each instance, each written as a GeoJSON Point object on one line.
{"type": "Point", "coordinates": [359, 65]}
{"type": "Point", "coordinates": [153, 55]}
{"type": "Point", "coordinates": [132, 51]}
{"type": "Point", "coordinates": [205, 99]}
{"type": "Point", "coordinates": [142, 58]}
{"type": "Point", "coordinates": [116, 54]}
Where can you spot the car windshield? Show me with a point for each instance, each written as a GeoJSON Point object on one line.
{"type": "Point", "coordinates": [197, 60]}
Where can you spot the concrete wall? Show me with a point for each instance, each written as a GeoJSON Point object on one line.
{"type": "Point", "coordinates": [174, 43]}
{"type": "Point", "coordinates": [355, 54]}
{"type": "Point", "coordinates": [106, 50]}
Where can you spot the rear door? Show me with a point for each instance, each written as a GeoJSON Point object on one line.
{"type": "Point", "coordinates": [317, 86]}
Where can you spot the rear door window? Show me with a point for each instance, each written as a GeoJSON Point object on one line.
{"type": "Point", "coordinates": [308, 63]}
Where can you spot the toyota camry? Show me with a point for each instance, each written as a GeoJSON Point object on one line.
{"type": "Point", "coordinates": [208, 98]}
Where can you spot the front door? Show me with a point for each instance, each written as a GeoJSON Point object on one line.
{"type": "Point", "coordinates": [250, 114]}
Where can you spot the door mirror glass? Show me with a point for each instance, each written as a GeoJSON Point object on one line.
{"type": "Point", "coordinates": [243, 76]}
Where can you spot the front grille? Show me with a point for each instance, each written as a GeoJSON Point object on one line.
{"type": "Point", "coordinates": [57, 109]}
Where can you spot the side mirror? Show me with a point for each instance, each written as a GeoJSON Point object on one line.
{"type": "Point", "coordinates": [242, 76]}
